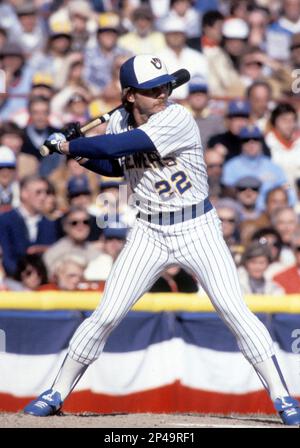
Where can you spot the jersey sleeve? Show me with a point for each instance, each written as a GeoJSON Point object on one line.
{"type": "Point", "coordinates": [171, 130]}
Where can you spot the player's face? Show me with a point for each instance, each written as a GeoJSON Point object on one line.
{"type": "Point", "coordinates": [149, 101]}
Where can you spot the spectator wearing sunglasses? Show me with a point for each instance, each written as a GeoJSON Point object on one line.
{"type": "Point", "coordinates": [252, 160]}
{"type": "Point", "coordinates": [247, 191]}
{"type": "Point", "coordinates": [76, 225]}
{"type": "Point", "coordinates": [289, 279]}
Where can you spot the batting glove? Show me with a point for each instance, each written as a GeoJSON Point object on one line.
{"type": "Point", "coordinates": [72, 131]}
{"type": "Point", "coordinates": [54, 142]}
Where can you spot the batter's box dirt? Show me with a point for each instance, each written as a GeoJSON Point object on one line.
{"type": "Point", "coordinates": [89, 420]}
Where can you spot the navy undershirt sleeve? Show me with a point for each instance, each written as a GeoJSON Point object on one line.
{"type": "Point", "coordinates": [112, 146]}
{"type": "Point", "coordinates": [110, 168]}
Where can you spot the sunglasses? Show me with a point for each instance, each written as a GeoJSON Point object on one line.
{"type": "Point", "coordinates": [248, 188]}
{"type": "Point", "coordinates": [75, 222]}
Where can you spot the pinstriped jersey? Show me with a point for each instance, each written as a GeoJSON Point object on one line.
{"type": "Point", "coordinates": [172, 177]}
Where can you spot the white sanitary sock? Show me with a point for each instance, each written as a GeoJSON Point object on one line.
{"type": "Point", "coordinates": [68, 374]}
{"type": "Point", "coordinates": [272, 378]}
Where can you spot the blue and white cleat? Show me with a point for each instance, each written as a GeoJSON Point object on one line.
{"type": "Point", "coordinates": [288, 409]}
{"type": "Point", "coordinates": [48, 403]}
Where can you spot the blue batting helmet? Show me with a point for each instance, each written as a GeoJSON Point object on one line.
{"type": "Point", "coordinates": [144, 71]}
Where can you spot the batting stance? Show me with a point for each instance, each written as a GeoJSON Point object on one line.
{"type": "Point", "coordinates": [157, 145]}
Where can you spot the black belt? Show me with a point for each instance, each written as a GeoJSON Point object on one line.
{"type": "Point", "coordinates": [186, 213]}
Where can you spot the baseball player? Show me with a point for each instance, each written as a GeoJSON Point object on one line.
{"type": "Point", "coordinates": [157, 145]}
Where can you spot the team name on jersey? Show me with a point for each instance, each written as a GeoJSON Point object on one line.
{"type": "Point", "coordinates": [149, 160]}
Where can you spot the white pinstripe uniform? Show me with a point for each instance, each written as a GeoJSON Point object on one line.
{"type": "Point", "coordinates": [166, 182]}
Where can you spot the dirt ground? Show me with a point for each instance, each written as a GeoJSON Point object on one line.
{"type": "Point", "coordinates": [185, 421]}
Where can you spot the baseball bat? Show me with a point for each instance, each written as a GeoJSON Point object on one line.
{"type": "Point", "coordinates": [181, 77]}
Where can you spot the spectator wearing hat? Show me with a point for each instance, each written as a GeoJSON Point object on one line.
{"type": "Point", "coordinates": [283, 141]}
{"type": "Point", "coordinates": [42, 85]}
{"type": "Point", "coordinates": [113, 240]}
{"type": "Point", "coordinates": [35, 133]}
{"type": "Point", "coordinates": [9, 186]}
{"type": "Point", "coordinates": [247, 191]}
{"type": "Point", "coordinates": [13, 137]}
{"type": "Point", "coordinates": [224, 79]}
{"type": "Point", "coordinates": [252, 160]}
{"type": "Point", "coordinates": [254, 263]}
{"type": "Point", "coordinates": [81, 16]}
{"type": "Point", "coordinates": [76, 226]}
{"type": "Point", "coordinates": [98, 60]}
{"type": "Point", "coordinates": [18, 76]}
{"type": "Point", "coordinates": [235, 37]}
{"type": "Point", "coordinates": [67, 170]}
{"type": "Point", "coordinates": [289, 279]}
{"type": "Point", "coordinates": [177, 54]}
{"type": "Point", "coordinates": [32, 36]}
{"type": "Point", "coordinates": [143, 38]}
{"type": "Point", "coordinates": [79, 191]}
{"type": "Point", "coordinates": [198, 101]}
{"type": "Point", "coordinates": [184, 9]}
{"type": "Point", "coordinates": [79, 194]}
{"type": "Point", "coordinates": [54, 58]}
{"type": "Point", "coordinates": [25, 229]}
{"type": "Point", "coordinates": [237, 116]}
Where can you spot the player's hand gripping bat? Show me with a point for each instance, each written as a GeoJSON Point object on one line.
{"type": "Point", "coordinates": [181, 77]}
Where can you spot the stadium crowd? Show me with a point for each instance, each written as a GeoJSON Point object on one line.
{"type": "Point", "coordinates": [60, 63]}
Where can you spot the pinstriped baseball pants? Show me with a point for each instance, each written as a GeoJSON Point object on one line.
{"type": "Point", "coordinates": [198, 246]}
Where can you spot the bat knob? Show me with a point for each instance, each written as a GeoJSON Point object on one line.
{"type": "Point", "coordinates": [44, 151]}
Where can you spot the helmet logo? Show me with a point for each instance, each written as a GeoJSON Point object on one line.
{"type": "Point", "coordinates": [157, 63]}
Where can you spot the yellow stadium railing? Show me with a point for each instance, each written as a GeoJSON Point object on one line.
{"type": "Point", "coordinates": [152, 302]}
